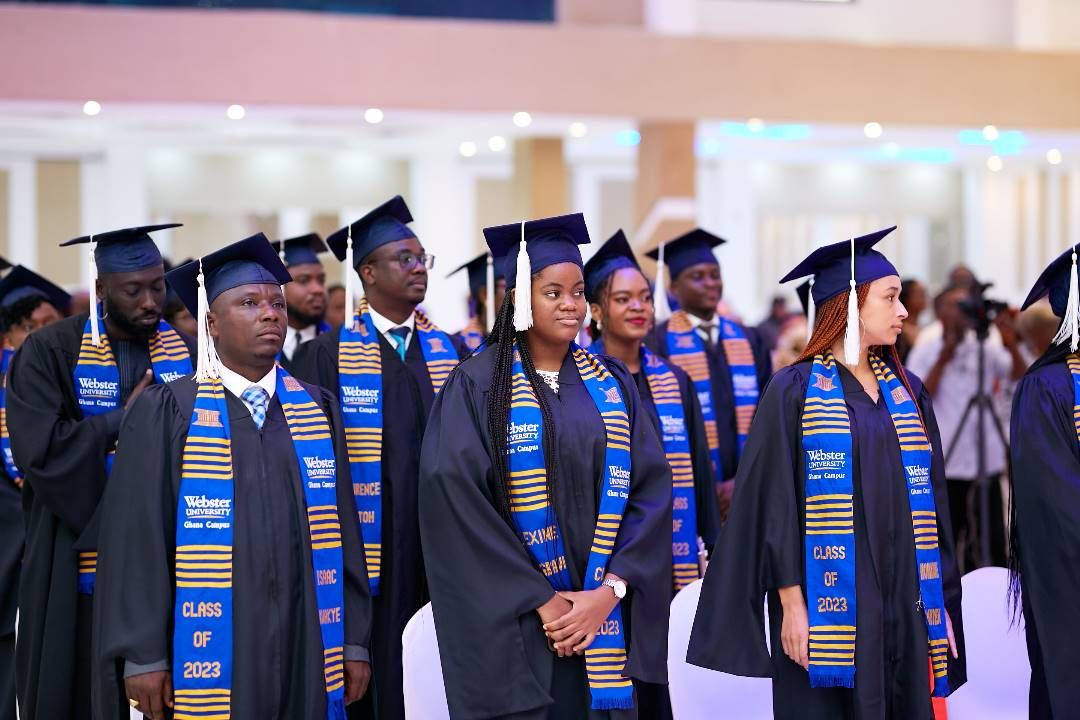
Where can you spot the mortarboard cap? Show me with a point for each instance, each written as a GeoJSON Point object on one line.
{"type": "Point", "coordinates": [301, 250]}
{"type": "Point", "coordinates": [529, 247]}
{"type": "Point", "coordinates": [385, 224]}
{"type": "Point", "coordinates": [693, 248]}
{"type": "Point", "coordinates": [197, 283]}
{"type": "Point", "coordinates": [125, 250]}
{"type": "Point", "coordinates": [22, 283]}
{"type": "Point", "coordinates": [614, 254]}
{"type": "Point", "coordinates": [1059, 282]}
{"type": "Point", "coordinates": [477, 269]}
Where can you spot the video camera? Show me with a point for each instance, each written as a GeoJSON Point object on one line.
{"type": "Point", "coordinates": [981, 310]}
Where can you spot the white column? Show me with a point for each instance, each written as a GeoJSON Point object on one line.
{"type": "Point", "coordinates": [442, 198]}
{"type": "Point", "coordinates": [725, 201]}
{"type": "Point", "coordinates": [915, 256]}
{"type": "Point", "coordinates": [1073, 208]}
{"type": "Point", "coordinates": [22, 211]}
{"type": "Point", "coordinates": [1030, 224]}
{"type": "Point", "coordinates": [1054, 232]}
{"type": "Point", "coordinates": [293, 221]}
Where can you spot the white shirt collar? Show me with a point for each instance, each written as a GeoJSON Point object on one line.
{"type": "Point", "coordinates": [384, 326]}
{"type": "Point", "coordinates": [237, 383]}
{"type": "Point", "coordinates": [697, 322]}
{"type": "Point", "coordinates": [291, 343]}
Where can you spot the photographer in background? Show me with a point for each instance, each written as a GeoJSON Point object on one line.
{"type": "Point", "coordinates": [948, 365]}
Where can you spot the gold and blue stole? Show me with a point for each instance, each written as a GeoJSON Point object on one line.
{"type": "Point", "coordinates": [1073, 362]}
{"type": "Point", "coordinates": [668, 400]}
{"type": "Point", "coordinates": [203, 616]}
{"type": "Point", "coordinates": [97, 390]}
{"type": "Point", "coordinates": [473, 334]}
{"type": "Point", "coordinates": [533, 513]}
{"type": "Point", "coordinates": [5, 439]}
{"type": "Point", "coordinates": [687, 350]}
{"type": "Point", "coordinates": [830, 538]}
{"type": "Point", "coordinates": [361, 396]}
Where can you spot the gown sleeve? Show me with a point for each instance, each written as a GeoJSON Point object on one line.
{"type": "Point", "coordinates": [480, 576]}
{"type": "Point", "coordinates": [708, 514]}
{"type": "Point", "coordinates": [63, 459]}
{"type": "Point", "coordinates": [639, 558]}
{"type": "Point", "coordinates": [760, 548]}
{"type": "Point", "coordinates": [950, 574]}
{"type": "Point", "coordinates": [133, 594]}
{"type": "Point", "coordinates": [358, 611]}
{"type": "Point", "coordinates": [1046, 493]}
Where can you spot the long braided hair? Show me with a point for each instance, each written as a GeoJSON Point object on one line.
{"type": "Point", "coordinates": [830, 326]}
{"type": "Point", "coordinates": [503, 337]}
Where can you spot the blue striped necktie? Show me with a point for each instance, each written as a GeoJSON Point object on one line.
{"type": "Point", "coordinates": [257, 401]}
{"type": "Point", "coordinates": [401, 337]}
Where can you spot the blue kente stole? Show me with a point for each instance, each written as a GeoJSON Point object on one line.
{"type": "Point", "coordinates": [534, 517]}
{"type": "Point", "coordinates": [473, 334]}
{"type": "Point", "coordinates": [1074, 369]}
{"type": "Point", "coordinates": [5, 439]}
{"type": "Point", "coordinates": [668, 401]}
{"type": "Point", "coordinates": [687, 350]}
{"type": "Point", "coordinates": [830, 534]}
{"type": "Point", "coordinates": [203, 630]}
{"type": "Point", "coordinates": [97, 390]}
{"type": "Point", "coordinates": [361, 396]}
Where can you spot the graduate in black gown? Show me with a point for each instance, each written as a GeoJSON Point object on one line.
{"type": "Point", "coordinates": [306, 294]}
{"type": "Point", "coordinates": [28, 302]}
{"type": "Point", "coordinates": [621, 304]}
{"type": "Point", "coordinates": [486, 281]}
{"type": "Point", "coordinates": [490, 596]}
{"type": "Point", "coordinates": [393, 270]}
{"type": "Point", "coordinates": [271, 632]}
{"type": "Point", "coordinates": [1046, 504]}
{"type": "Point", "coordinates": [697, 284]}
{"type": "Point", "coordinates": [774, 546]}
{"type": "Point", "coordinates": [66, 396]}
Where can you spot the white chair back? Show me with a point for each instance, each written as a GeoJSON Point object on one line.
{"type": "Point", "coordinates": [700, 694]}
{"type": "Point", "coordinates": [425, 693]}
{"type": "Point", "coordinates": [997, 660]}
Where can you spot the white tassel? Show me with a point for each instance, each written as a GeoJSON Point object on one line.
{"type": "Point", "coordinates": [523, 319]}
{"type": "Point", "coordinates": [208, 363]}
{"type": "Point", "coordinates": [661, 308]}
{"type": "Point", "coordinates": [811, 311]}
{"type": "Point", "coordinates": [489, 306]}
{"type": "Point", "coordinates": [95, 331]}
{"type": "Point", "coordinates": [350, 299]}
{"type": "Point", "coordinates": [851, 337]}
{"type": "Point", "coordinates": [1070, 325]}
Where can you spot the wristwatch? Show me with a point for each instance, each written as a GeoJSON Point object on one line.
{"type": "Point", "coordinates": [617, 585]}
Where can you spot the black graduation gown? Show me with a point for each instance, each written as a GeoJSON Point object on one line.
{"type": "Point", "coordinates": [407, 399]}
{"type": "Point", "coordinates": [485, 588]}
{"type": "Point", "coordinates": [723, 392]}
{"type": "Point", "coordinates": [12, 534]}
{"type": "Point", "coordinates": [62, 456]}
{"type": "Point", "coordinates": [277, 646]}
{"type": "Point", "coordinates": [761, 548]}
{"type": "Point", "coordinates": [1046, 503]}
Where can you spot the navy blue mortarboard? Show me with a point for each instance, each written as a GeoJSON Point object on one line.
{"type": "Point", "coordinates": [1059, 281]}
{"type": "Point", "coordinates": [5, 265]}
{"type": "Point", "coordinates": [1053, 282]}
{"type": "Point", "coordinates": [250, 261]}
{"type": "Point", "coordinates": [830, 266]}
{"type": "Point", "coordinates": [300, 250]}
{"type": "Point", "coordinates": [22, 283]}
{"type": "Point", "coordinates": [693, 248]}
{"type": "Point", "coordinates": [803, 291]}
{"type": "Point", "coordinates": [477, 269]}
{"type": "Point", "coordinates": [125, 250]}
{"type": "Point", "coordinates": [615, 254]}
{"type": "Point", "coordinates": [841, 267]}
{"type": "Point", "coordinates": [550, 241]}
{"type": "Point", "coordinates": [529, 247]}
{"type": "Point", "coordinates": [385, 224]}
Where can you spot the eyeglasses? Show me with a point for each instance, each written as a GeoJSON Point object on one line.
{"type": "Point", "coordinates": [408, 260]}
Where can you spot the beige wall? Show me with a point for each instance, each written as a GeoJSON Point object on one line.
{"type": "Point", "coordinates": [4, 220]}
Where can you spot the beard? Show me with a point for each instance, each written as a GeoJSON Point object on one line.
{"type": "Point", "coordinates": [305, 319]}
{"type": "Point", "coordinates": [126, 325]}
